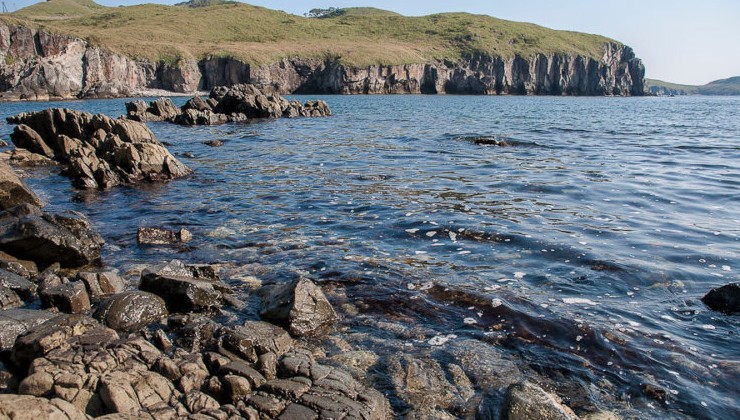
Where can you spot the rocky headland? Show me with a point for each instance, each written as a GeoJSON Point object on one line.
{"type": "Point", "coordinates": [37, 63]}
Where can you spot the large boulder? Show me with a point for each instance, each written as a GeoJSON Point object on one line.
{"type": "Point", "coordinates": [300, 306]}
{"type": "Point", "coordinates": [13, 191]}
{"type": "Point", "coordinates": [130, 311]}
{"type": "Point", "coordinates": [101, 152]}
{"type": "Point", "coordinates": [29, 234]}
{"type": "Point", "coordinates": [184, 288]}
{"type": "Point", "coordinates": [25, 137]}
{"type": "Point", "coordinates": [162, 109]}
{"type": "Point", "coordinates": [724, 299]}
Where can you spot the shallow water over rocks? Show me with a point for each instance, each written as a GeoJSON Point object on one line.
{"type": "Point", "coordinates": [567, 240]}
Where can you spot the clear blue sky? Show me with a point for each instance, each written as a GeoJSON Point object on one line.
{"type": "Point", "coordinates": [682, 41]}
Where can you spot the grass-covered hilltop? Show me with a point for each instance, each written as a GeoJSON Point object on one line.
{"type": "Point", "coordinates": [351, 40]}
{"type": "Point", "coordinates": [723, 87]}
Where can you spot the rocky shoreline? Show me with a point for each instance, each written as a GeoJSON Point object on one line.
{"type": "Point", "coordinates": [81, 340]}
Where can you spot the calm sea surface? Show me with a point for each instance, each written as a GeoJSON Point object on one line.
{"type": "Point", "coordinates": [578, 252]}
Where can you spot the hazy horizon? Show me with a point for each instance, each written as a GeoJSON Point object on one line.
{"type": "Point", "coordinates": [679, 41]}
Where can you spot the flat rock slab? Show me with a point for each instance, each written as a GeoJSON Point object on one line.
{"type": "Point", "coordinates": [15, 322]}
{"type": "Point", "coordinates": [185, 288]}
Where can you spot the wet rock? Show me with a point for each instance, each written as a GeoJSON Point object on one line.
{"type": "Point", "coordinates": [725, 299]}
{"type": "Point", "coordinates": [9, 299]}
{"type": "Point", "coordinates": [301, 306]}
{"type": "Point", "coordinates": [71, 298]}
{"type": "Point", "coordinates": [25, 159]}
{"type": "Point", "coordinates": [414, 378]}
{"type": "Point", "coordinates": [130, 311]}
{"type": "Point", "coordinates": [57, 333]}
{"type": "Point", "coordinates": [101, 283]}
{"type": "Point", "coordinates": [102, 152]}
{"type": "Point", "coordinates": [24, 288]}
{"type": "Point", "coordinates": [159, 236]}
{"type": "Point", "coordinates": [214, 143]}
{"type": "Point", "coordinates": [15, 322]}
{"type": "Point", "coordinates": [29, 407]}
{"type": "Point", "coordinates": [183, 288]}
{"type": "Point", "coordinates": [528, 401]}
{"type": "Point", "coordinates": [162, 109]}
{"type": "Point", "coordinates": [653, 391]}
{"type": "Point", "coordinates": [255, 338]}
{"type": "Point", "coordinates": [27, 233]}
{"type": "Point", "coordinates": [13, 191]}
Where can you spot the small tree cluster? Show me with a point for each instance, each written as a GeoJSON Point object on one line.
{"type": "Point", "coordinates": [325, 13]}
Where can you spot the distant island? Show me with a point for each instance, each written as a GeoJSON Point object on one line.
{"type": "Point", "coordinates": [77, 48]}
{"type": "Point", "coordinates": [722, 87]}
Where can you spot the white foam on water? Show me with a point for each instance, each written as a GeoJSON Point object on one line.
{"type": "Point", "coordinates": [441, 339]}
{"type": "Point", "coordinates": [726, 268]}
{"type": "Point", "coordinates": [579, 301]}
{"type": "Point", "coordinates": [519, 275]}
{"type": "Point", "coordinates": [469, 321]}
{"type": "Point", "coordinates": [496, 302]}
{"type": "Point", "coordinates": [431, 233]}
{"type": "Point", "coordinates": [412, 230]}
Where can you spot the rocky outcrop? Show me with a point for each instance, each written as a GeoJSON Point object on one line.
{"type": "Point", "coordinates": [40, 65]}
{"type": "Point", "coordinates": [724, 299]}
{"type": "Point", "coordinates": [13, 191]}
{"type": "Point", "coordinates": [101, 152]}
{"type": "Point", "coordinates": [236, 103]}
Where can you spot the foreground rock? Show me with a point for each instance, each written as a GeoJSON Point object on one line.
{"type": "Point", "coordinates": [13, 191]}
{"type": "Point", "coordinates": [29, 407]}
{"type": "Point", "coordinates": [15, 322]}
{"type": "Point", "coordinates": [28, 233]}
{"type": "Point", "coordinates": [185, 288]}
{"type": "Point", "coordinates": [101, 152]}
{"type": "Point", "coordinates": [226, 104]}
{"type": "Point", "coordinates": [724, 299]}
{"type": "Point", "coordinates": [130, 311]}
{"type": "Point", "coordinates": [301, 306]}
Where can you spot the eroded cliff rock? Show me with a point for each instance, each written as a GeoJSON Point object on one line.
{"type": "Point", "coordinates": [40, 65]}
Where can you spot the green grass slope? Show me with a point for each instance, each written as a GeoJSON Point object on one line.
{"type": "Point", "coordinates": [257, 35]}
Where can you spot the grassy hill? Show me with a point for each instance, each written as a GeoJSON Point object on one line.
{"type": "Point", "coordinates": [729, 86]}
{"type": "Point", "coordinates": [257, 35]}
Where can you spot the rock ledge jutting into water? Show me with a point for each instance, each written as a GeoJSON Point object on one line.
{"type": "Point", "coordinates": [724, 299]}
{"type": "Point", "coordinates": [237, 103]}
{"type": "Point", "coordinates": [99, 151]}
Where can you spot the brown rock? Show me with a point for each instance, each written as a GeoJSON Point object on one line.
{"type": "Point", "coordinates": [13, 191]}
{"type": "Point", "coordinates": [301, 306]}
{"type": "Point", "coordinates": [71, 298]}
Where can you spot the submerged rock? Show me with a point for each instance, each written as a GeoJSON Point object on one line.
{"type": "Point", "coordinates": [526, 401]}
{"type": "Point", "coordinates": [724, 299]}
{"type": "Point", "coordinates": [301, 306]}
{"type": "Point", "coordinates": [29, 234]}
{"type": "Point", "coordinates": [13, 191]}
{"type": "Point", "coordinates": [159, 236]}
{"type": "Point", "coordinates": [100, 152]}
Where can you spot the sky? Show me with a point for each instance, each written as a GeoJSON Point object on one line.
{"type": "Point", "coordinates": [680, 41]}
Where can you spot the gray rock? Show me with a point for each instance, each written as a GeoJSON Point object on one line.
{"type": "Point", "coordinates": [57, 333]}
{"type": "Point", "coordinates": [255, 338]}
{"type": "Point", "coordinates": [45, 238]}
{"type": "Point", "coordinates": [724, 299]}
{"type": "Point", "coordinates": [15, 322]}
{"type": "Point", "coordinates": [9, 299]}
{"type": "Point", "coordinates": [71, 298]}
{"type": "Point", "coordinates": [29, 407]}
{"type": "Point", "coordinates": [25, 137]}
{"type": "Point", "coordinates": [301, 306]}
{"type": "Point", "coordinates": [13, 191]}
{"type": "Point", "coordinates": [24, 288]}
{"type": "Point", "coordinates": [160, 236]}
{"type": "Point", "coordinates": [101, 283]}
{"type": "Point", "coordinates": [182, 288]}
{"type": "Point", "coordinates": [130, 311]}
{"type": "Point", "coordinates": [526, 400]}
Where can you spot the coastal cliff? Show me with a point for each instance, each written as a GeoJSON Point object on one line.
{"type": "Point", "coordinates": [38, 65]}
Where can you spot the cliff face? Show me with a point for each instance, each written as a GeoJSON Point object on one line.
{"type": "Point", "coordinates": [40, 65]}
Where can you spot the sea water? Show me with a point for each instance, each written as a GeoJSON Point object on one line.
{"type": "Point", "coordinates": [572, 237]}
